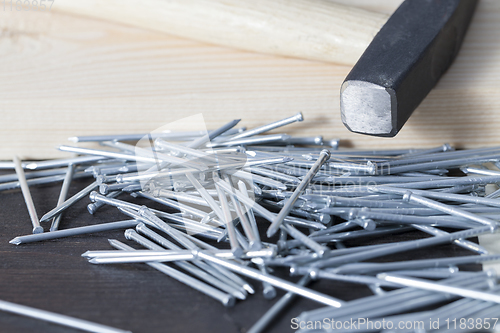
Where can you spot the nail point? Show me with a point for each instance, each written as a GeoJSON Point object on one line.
{"type": "Point", "coordinates": [15, 241]}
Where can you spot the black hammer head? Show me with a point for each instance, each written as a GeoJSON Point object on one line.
{"type": "Point", "coordinates": [402, 64]}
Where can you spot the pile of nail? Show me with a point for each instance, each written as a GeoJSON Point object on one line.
{"type": "Point", "coordinates": [239, 203]}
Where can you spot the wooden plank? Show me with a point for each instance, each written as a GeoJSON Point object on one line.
{"type": "Point", "coordinates": [64, 75]}
{"type": "Point", "coordinates": [308, 29]}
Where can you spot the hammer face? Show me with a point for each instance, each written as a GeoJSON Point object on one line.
{"type": "Point", "coordinates": [402, 64]}
{"type": "Point", "coordinates": [368, 108]}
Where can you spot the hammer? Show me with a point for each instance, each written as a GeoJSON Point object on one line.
{"type": "Point", "coordinates": [404, 56]}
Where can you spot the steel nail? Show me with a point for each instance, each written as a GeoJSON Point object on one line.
{"type": "Point", "coordinates": [216, 281]}
{"type": "Point", "coordinates": [228, 284]}
{"type": "Point", "coordinates": [324, 156]}
{"type": "Point", "coordinates": [265, 128]}
{"type": "Point", "coordinates": [269, 316]}
{"type": "Point", "coordinates": [426, 285]}
{"type": "Point", "coordinates": [62, 195]}
{"type": "Point", "coordinates": [213, 134]}
{"type": "Point", "coordinates": [228, 220]}
{"type": "Point", "coordinates": [73, 232]}
{"type": "Point", "coordinates": [275, 281]}
{"type": "Point", "coordinates": [57, 318]}
{"type": "Point", "coordinates": [27, 196]}
{"type": "Point", "coordinates": [66, 204]}
{"type": "Point", "coordinates": [225, 299]}
{"type": "Point", "coordinates": [93, 207]}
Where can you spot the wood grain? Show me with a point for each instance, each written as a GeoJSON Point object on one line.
{"type": "Point", "coordinates": [64, 75]}
{"type": "Point", "coordinates": [307, 29]}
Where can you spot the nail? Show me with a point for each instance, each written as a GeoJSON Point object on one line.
{"type": "Point", "coordinates": [174, 204]}
{"type": "Point", "coordinates": [269, 316]}
{"type": "Point", "coordinates": [463, 308]}
{"type": "Point", "coordinates": [368, 168]}
{"type": "Point", "coordinates": [447, 163]}
{"type": "Point", "coordinates": [438, 195]}
{"type": "Point", "coordinates": [303, 223]}
{"type": "Point", "coordinates": [132, 188]}
{"type": "Point", "coordinates": [213, 134]}
{"type": "Point", "coordinates": [109, 154]}
{"type": "Point", "coordinates": [206, 196]}
{"type": "Point", "coordinates": [311, 141]}
{"type": "Point", "coordinates": [98, 198]}
{"type": "Point", "coordinates": [268, 290]}
{"type": "Point", "coordinates": [460, 242]}
{"type": "Point", "coordinates": [287, 170]}
{"type": "Point", "coordinates": [32, 174]}
{"type": "Point", "coordinates": [109, 171]}
{"type": "Point", "coordinates": [228, 220]}
{"type": "Point", "coordinates": [259, 179]}
{"type": "Point", "coordinates": [404, 246]}
{"type": "Point", "coordinates": [406, 304]}
{"type": "Point", "coordinates": [309, 242]}
{"type": "Point", "coordinates": [56, 318]}
{"type": "Point", "coordinates": [243, 192]}
{"type": "Point", "coordinates": [103, 179]}
{"type": "Point", "coordinates": [105, 189]}
{"type": "Point", "coordinates": [231, 285]}
{"type": "Point", "coordinates": [248, 202]}
{"type": "Point", "coordinates": [168, 135]}
{"type": "Point", "coordinates": [186, 224]}
{"type": "Point", "coordinates": [73, 232]}
{"type": "Point", "coordinates": [310, 217]}
{"type": "Point", "coordinates": [93, 207]}
{"type": "Point", "coordinates": [443, 148]}
{"type": "Point", "coordinates": [417, 211]}
{"type": "Point", "coordinates": [365, 213]}
{"type": "Point", "coordinates": [410, 197]}
{"type": "Point", "coordinates": [336, 228]}
{"type": "Point", "coordinates": [358, 279]}
{"type": "Point", "coordinates": [65, 162]}
{"type": "Point", "coordinates": [180, 150]}
{"type": "Point", "coordinates": [169, 173]}
{"type": "Point", "coordinates": [265, 128]}
{"type": "Point", "coordinates": [182, 196]}
{"type": "Point", "coordinates": [27, 196]}
{"type": "Point", "coordinates": [264, 139]}
{"type": "Point", "coordinates": [323, 202]}
{"type": "Point", "coordinates": [135, 137]}
{"type": "Point", "coordinates": [166, 257]}
{"type": "Point", "coordinates": [324, 156]}
{"type": "Point", "coordinates": [333, 143]}
{"type": "Point", "coordinates": [157, 156]}
{"type": "Point", "coordinates": [274, 175]}
{"type": "Point", "coordinates": [370, 268]}
{"type": "Point", "coordinates": [245, 223]}
{"type": "Point", "coordinates": [213, 277]}
{"type": "Point", "coordinates": [163, 226]}
{"type": "Point", "coordinates": [446, 156]}
{"type": "Point", "coordinates": [433, 273]}
{"type": "Point", "coordinates": [352, 235]}
{"type": "Point", "coordinates": [66, 204]}
{"type": "Point", "coordinates": [62, 195]}
{"type": "Point", "coordinates": [275, 281]}
{"type": "Point", "coordinates": [426, 285]}
{"type": "Point", "coordinates": [396, 301]}
{"type": "Point", "coordinates": [225, 299]}
{"type": "Point", "coordinates": [365, 223]}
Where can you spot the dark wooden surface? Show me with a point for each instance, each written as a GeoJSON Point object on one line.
{"type": "Point", "coordinates": [53, 276]}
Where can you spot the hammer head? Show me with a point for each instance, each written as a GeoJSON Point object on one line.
{"type": "Point", "coordinates": [402, 64]}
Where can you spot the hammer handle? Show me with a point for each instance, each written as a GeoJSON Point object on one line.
{"type": "Point", "coordinates": [309, 29]}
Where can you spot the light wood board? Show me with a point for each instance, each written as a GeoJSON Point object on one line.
{"type": "Point", "coordinates": [64, 75]}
